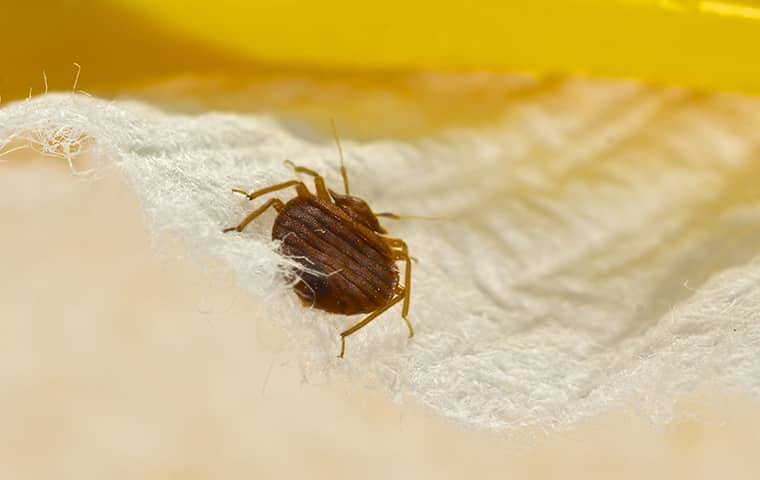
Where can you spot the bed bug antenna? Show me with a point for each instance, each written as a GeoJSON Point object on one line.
{"type": "Point", "coordinates": [343, 171]}
{"type": "Point", "coordinates": [76, 77]}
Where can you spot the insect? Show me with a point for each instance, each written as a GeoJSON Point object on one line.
{"type": "Point", "coordinates": [350, 262]}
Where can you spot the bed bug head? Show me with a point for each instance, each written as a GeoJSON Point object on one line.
{"type": "Point", "coordinates": [354, 207]}
{"type": "Point", "coordinates": [358, 210]}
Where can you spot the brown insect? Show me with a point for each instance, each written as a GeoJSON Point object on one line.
{"type": "Point", "coordinates": [350, 263]}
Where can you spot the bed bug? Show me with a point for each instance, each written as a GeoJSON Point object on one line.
{"type": "Point", "coordinates": [349, 260]}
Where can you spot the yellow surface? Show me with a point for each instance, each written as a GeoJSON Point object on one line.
{"type": "Point", "coordinates": [115, 49]}
{"type": "Point", "coordinates": [702, 44]}
{"type": "Point", "coordinates": [123, 43]}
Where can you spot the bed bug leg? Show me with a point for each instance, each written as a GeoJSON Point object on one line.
{"type": "Point", "coordinates": [319, 182]}
{"type": "Point", "coordinates": [403, 255]}
{"type": "Point", "coordinates": [300, 189]}
{"type": "Point", "coordinates": [397, 243]}
{"type": "Point", "coordinates": [275, 202]}
{"type": "Point", "coordinates": [407, 290]}
{"type": "Point", "coordinates": [401, 245]}
{"type": "Point", "coordinates": [364, 322]}
{"type": "Point", "coordinates": [396, 216]}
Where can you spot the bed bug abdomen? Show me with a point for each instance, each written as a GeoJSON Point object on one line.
{"type": "Point", "coordinates": [348, 270]}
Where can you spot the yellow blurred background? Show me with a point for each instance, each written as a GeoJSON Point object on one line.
{"type": "Point", "coordinates": [293, 59]}
{"type": "Point", "coordinates": [694, 43]}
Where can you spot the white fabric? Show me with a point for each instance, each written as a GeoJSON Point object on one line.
{"type": "Point", "coordinates": [597, 248]}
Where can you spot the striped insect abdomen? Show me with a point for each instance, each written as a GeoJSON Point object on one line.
{"type": "Point", "coordinates": [354, 271]}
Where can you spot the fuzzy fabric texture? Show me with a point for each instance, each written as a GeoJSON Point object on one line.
{"type": "Point", "coordinates": [596, 247]}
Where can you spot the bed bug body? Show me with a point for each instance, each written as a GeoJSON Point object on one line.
{"type": "Point", "coordinates": [349, 263]}
{"type": "Point", "coordinates": [354, 271]}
